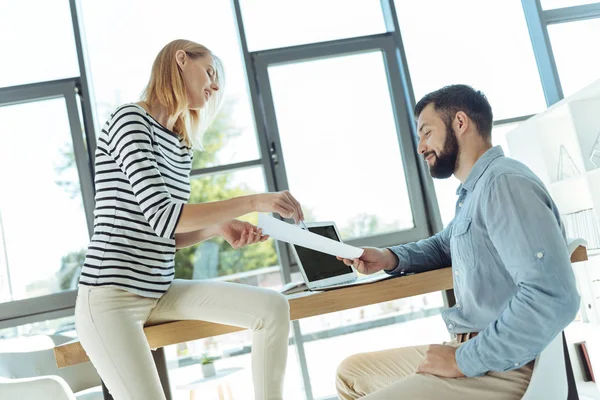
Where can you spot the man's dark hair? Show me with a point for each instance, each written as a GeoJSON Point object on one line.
{"type": "Point", "coordinates": [454, 98]}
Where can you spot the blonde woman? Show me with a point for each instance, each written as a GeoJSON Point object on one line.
{"type": "Point", "coordinates": [143, 162]}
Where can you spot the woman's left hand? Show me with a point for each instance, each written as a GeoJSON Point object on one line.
{"type": "Point", "coordinates": [239, 233]}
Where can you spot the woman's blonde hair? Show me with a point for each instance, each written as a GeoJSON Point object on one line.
{"type": "Point", "coordinates": [167, 87]}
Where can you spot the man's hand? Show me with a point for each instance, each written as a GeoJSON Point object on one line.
{"type": "Point", "coordinates": [440, 360]}
{"type": "Point", "coordinates": [373, 260]}
{"type": "Point", "coordinates": [239, 233]}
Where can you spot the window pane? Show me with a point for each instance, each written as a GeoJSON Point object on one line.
{"type": "Point", "coordinates": [42, 218]}
{"type": "Point", "coordinates": [340, 144]}
{"type": "Point", "coordinates": [445, 189]}
{"type": "Point", "coordinates": [467, 41]}
{"type": "Point", "coordinates": [406, 322]}
{"type": "Point", "coordinates": [577, 65]}
{"type": "Point", "coordinates": [37, 45]}
{"type": "Point", "coordinates": [256, 265]}
{"type": "Point", "coordinates": [61, 330]}
{"type": "Point", "coordinates": [309, 21]}
{"type": "Point", "coordinates": [230, 351]}
{"type": "Point", "coordinates": [550, 4]}
{"type": "Point", "coordinates": [121, 61]}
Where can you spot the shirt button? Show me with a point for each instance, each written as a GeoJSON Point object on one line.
{"type": "Point", "coordinates": [458, 306]}
{"type": "Point", "coordinates": [456, 273]}
{"type": "Point", "coordinates": [540, 255]}
{"type": "Point", "coordinates": [460, 204]}
{"type": "Point", "coordinates": [451, 326]}
{"type": "Point", "coordinates": [516, 364]}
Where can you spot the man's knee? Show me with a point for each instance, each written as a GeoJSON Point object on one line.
{"type": "Point", "coordinates": [349, 366]}
{"type": "Point", "coordinates": [347, 374]}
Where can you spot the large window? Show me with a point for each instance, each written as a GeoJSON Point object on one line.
{"type": "Point", "coordinates": [484, 44]}
{"type": "Point", "coordinates": [275, 23]}
{"type": "Point", "coordinates": [340, 144]}
{"type": "Point", "coordinates": [42, 219]}
{"type": "Point", "coordinates": [36, 44]}
{"type": "Point", "coordinates": [578, 66]}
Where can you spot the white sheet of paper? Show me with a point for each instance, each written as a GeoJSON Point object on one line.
{"type": "Point", "coordinates": [293, 234]}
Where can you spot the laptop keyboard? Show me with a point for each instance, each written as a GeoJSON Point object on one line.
{"type": "Point", "coordinates": [336, 284]}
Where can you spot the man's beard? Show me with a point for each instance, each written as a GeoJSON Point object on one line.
{"type": "Point", "coordinates": [445, 164]}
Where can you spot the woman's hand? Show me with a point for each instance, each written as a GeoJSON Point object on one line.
{"type": "Point", "coordinates": [240, 234]}
{"type": "Point", "coordinates": [282, 203]}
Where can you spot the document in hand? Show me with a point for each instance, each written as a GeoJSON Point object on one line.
{"type": "Point", "coordinates": [293, 234]}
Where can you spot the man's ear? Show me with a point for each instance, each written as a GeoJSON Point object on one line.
{"type": "Point", "coordinates": [461, 123]}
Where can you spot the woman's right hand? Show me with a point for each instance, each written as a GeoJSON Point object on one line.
{"type": "Point", "coordinates": [282, 203]}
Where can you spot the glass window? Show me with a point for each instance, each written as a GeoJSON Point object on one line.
{"type": "Point", "coordinates": [230, 352]}
{"type": "Point", "coordinates": [257, 265]}
{"type": "Point", "coordinates": [550, 4]}
{"type": "Point", "coordinates": [37, 45]}
{"type": "Point", "coordinates": [121, 59]}
{"type": "Point", "coordinates": [309, 21]}
{"type": "Point", "coordinates": [42, 220]}
{"type": "Point", "coordinates": [61, 330]}
{"type": "Point", "coordinates": [340, 143]}
{"type": "Point", "coordinates": [406, 322]}
{"type": "Point", "coordinates": [577, 66]}
{"type": "Point", "coordinates": [484, 44]}
{"type": "Point", "coordinates": [445, 189]}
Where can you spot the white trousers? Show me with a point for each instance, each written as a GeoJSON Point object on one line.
{"type": "Point", "coordinates": [110, 324]}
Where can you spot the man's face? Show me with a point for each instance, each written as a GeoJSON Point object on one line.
{"type": "Point", "coordinates": [437, 143]}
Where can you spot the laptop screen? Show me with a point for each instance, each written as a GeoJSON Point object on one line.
{"type": "Point", "coordinates": [319, 265]}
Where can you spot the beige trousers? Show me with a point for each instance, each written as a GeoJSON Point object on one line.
{"type": "Point", "coordinates": [110, 324]}
{"type": "Point", "coordinates": [390, 375]}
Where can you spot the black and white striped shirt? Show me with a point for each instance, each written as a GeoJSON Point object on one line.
{"type": "Point", "coordinates": [142, 182]}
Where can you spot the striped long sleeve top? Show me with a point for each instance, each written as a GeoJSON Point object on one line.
{"type": "Point", "coordinates": [142, 182]}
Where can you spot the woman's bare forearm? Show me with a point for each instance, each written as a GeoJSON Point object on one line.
{"type": "Point", "coordinates": [188, 239]}
{"type": "Point", "coordinates": [195, 217]}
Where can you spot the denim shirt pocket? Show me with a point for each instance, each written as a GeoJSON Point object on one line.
{"type": "Point", "coordinates": [461, 244]}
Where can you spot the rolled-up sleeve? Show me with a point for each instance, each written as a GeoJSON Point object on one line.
{"type": "Point", "coordinates": [130, 145]}
{"type": "Point", "coordinates": [523, 227]}
{"type": "Point", "coordinates": [424, 255]}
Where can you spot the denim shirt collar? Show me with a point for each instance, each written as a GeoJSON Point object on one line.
{"type": "Point", "coordinates": [479, 168]}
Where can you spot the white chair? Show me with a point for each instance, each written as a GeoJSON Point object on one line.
{"type": "Point", "coordinates": [28, 370]}
{"type": "Point", "coordinates": [549, 379]}
{"type": "Point", "coordinates": [45, 387]}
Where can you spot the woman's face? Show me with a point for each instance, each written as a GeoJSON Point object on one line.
{"type": "Point", "coordinates": [199, 77]}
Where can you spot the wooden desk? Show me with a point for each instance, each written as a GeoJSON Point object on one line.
{"type": "Point", "coordinates": [302, 305]}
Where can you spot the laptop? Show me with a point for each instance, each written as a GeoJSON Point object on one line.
{"type": "Point", "coordinates": [322, 271]}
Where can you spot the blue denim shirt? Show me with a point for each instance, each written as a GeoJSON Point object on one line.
{"type": "Point", "coordinates": [513, 280]}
